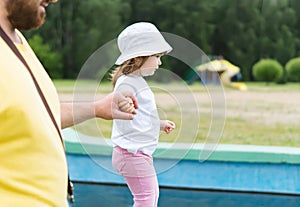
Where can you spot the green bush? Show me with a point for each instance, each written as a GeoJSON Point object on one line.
{"type": "Point", "coordinates": [283, 79]}
{"type": "Point", "coordinates": [293, 69]}
{"type": "Point", "coordinates": [267, 70]}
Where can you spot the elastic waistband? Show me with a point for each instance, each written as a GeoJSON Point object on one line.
{"type": "Point", "coordinates": [125, 151]}
{"type": "Point", "coordinates": [120, 149]}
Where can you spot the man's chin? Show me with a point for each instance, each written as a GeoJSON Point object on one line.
{"type": "Point", "coordinates": [31, 25]}
{"type": "Point", "coordinates": [35, 21]}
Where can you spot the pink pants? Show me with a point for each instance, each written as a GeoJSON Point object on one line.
{"type": "Point", "coordinates": [140, 176]}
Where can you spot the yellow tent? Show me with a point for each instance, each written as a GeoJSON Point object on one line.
{"type": "Point", "coordinates": [226, 70]}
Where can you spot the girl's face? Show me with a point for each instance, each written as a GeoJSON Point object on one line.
{"type": "Point", "coordinates": [151, 65]}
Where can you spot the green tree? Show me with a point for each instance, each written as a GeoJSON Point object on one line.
{"type": "Point", "coordinates": [77, 28]}
{"type": "Point", "coordinates": [295, 6]}
{"type": "Point", "coordinates": [188, 19]}
{"type": "Point", "coordinates": [96, 24]}
{"type": "Point", "coordinates": [236, 33]}
{"type": "Point", "coordinates": [51, 60]}
{"type": "Point", "coordinates": [277, 40]}
{"type": "Point", "coordinates": [241, 31]}
{"type": "Point", "coordinates": [250, 30]}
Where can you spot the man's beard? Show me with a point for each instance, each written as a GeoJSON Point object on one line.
{"type": "Point", "coordinates": [25, 14]}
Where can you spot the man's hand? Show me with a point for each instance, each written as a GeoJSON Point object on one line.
{"type": "Point", "coordinates": [105, 108]}
{"type": "Point", "coordinates": [117, 105]}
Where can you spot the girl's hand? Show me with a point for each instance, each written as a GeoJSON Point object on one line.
{"type": "Point", "coordinates": [127, 105]}
{"type": "Point", "coordinates": [167, 126]}
{"type": "Point", "coordinates": [109, 106]}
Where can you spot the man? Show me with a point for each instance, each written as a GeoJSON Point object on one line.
{"type": "Point", "coordinates": [33, 167]}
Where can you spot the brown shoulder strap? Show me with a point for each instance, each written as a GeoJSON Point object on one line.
{"type": "Point", "coordinates": [12, 46]}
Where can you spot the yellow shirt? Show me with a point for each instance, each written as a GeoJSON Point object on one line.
{"type": "Point", "coordinates": [33, 168]}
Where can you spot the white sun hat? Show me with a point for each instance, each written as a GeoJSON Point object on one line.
{"type": "Point", "coordinates": [141, 39]}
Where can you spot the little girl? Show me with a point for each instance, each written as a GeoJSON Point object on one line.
{"type": "Point", "coordinates": [141, 46]}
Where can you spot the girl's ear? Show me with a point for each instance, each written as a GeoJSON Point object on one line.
{"type": "Point", "coordinates": [139, 61]}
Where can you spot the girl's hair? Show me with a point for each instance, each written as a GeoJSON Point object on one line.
{"type": "Point", "coordinates": [127, 67]}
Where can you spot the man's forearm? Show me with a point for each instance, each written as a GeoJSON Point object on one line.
{"type": "Point", "coordinates": [75, 113]}
{"type": "Point", "coordinates": [105, 108]}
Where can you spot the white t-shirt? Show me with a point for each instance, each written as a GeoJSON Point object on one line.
{"type": "Point", "coordinates": [142, 132]}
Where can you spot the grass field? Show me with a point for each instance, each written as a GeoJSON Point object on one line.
{"type": "Point", "coordinates": [263, 115]}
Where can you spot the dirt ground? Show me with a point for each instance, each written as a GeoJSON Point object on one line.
{"type": "Point", "coordinates": [259, 116]}
{"type": "Point", "coordinates": [275, 107]}
{"type": "Point", "coordinates": [268, 107]}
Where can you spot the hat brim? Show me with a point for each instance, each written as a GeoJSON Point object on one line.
{"type": "Point", "coordinates": [122, 58]}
